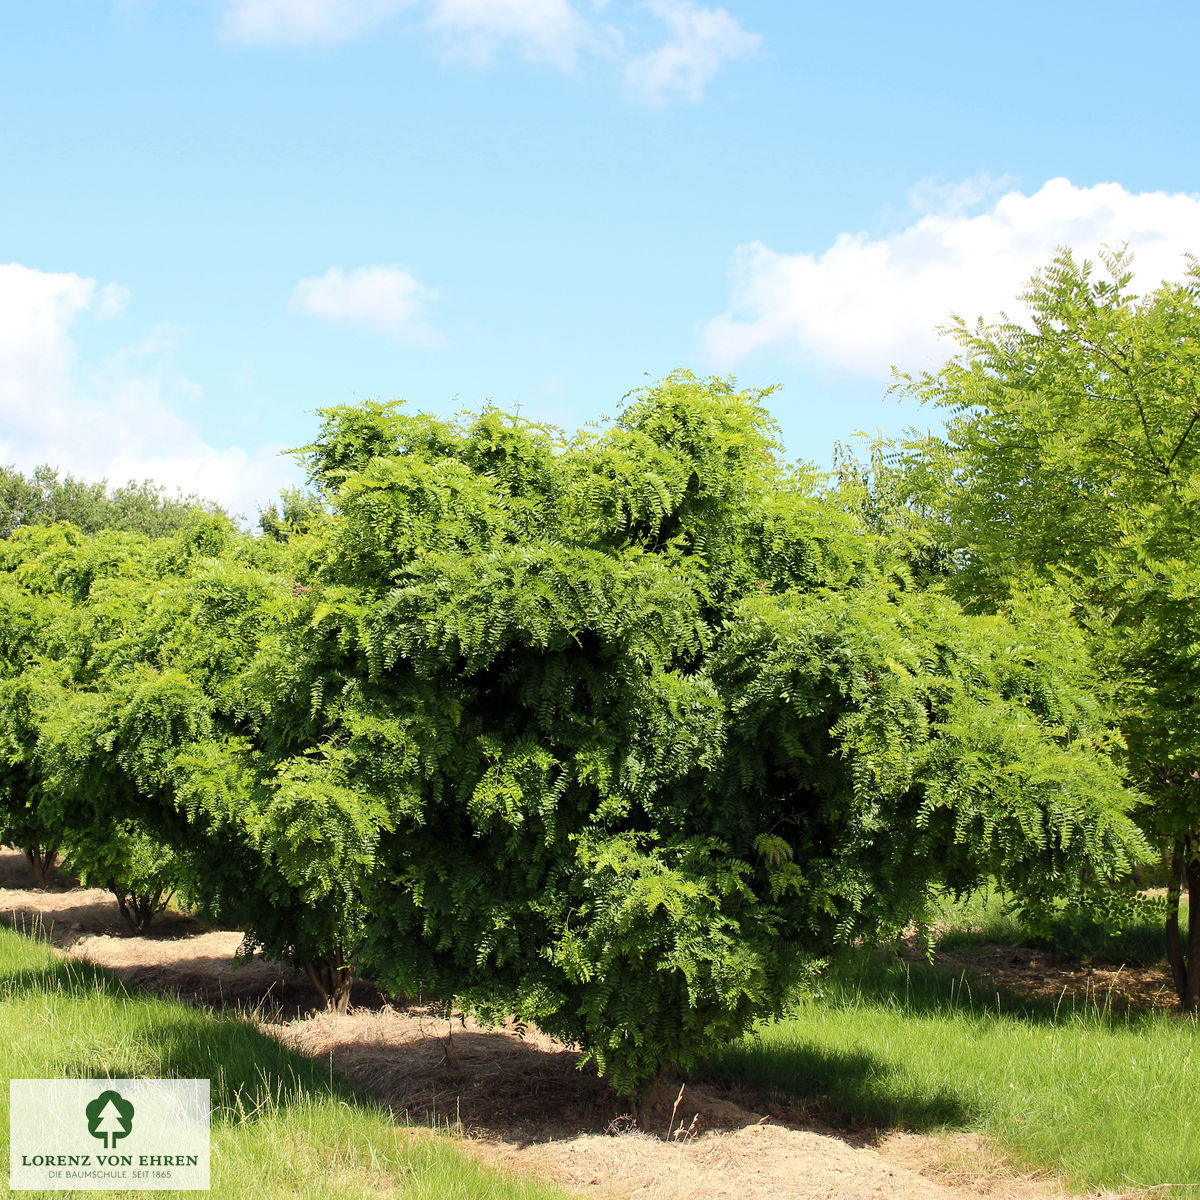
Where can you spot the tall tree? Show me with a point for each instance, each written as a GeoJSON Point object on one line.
{"type": "Point", "coordinates": [1072, 457]}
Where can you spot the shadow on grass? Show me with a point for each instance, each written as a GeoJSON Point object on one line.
{"type": "Point", "coordinates": [1139, 945]}
{"type": "Point", "coordinates": [845, 1086]}
{"type": "Point", "coordinates": [519, 1091]}
{"type": "Point", "coordinates": [853, 1087]}
{"type": "Point", "coordinates": [132, 1035]}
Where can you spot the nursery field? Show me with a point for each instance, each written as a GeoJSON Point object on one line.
{"type": "Point", "coordinates": [897, 1079]}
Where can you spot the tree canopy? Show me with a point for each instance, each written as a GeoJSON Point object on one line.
{"type": "Point", "coordinates": [44, 498]}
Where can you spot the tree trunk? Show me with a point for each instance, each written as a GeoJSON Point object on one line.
{"type": "Point", "coordinates": [138, 911]}
{"type": "Point", "coordinates": [333, 979]}
{"type": "Point", "coordinates": [1191, 997]}
{"type": "Point", "coordinates": [1179, 967]}
{"type": "Point", "coordinates": [41, 861]}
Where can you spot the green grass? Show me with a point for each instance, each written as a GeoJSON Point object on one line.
{"type": "Point", "coordinates": [282, 1127]}
{"type": "Point", "coordinates": [984, 917]}
{"type": "Point", "coordinates": [1101, 1099]}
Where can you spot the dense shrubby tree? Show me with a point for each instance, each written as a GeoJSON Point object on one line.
{"type": "Point", "coordinates": [654, 727]}
{"type": "Point", "coordinates": [142, 735]}
{"type": "Point", "coordinates": [1072, 457]}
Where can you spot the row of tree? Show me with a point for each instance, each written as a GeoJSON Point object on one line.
{"type": "Point", "coordinates": [621, 733]}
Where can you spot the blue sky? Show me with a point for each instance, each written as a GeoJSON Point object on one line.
{"type": "Point", "coordinates": [221, 215]}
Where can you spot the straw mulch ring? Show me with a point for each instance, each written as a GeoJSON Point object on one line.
{"type": "Point", "coordinates": [522, 1103]}
{"type": "Point", "coordinates": [434, 1071]}
{"type": "Point", "coordinates": [517, 1095]}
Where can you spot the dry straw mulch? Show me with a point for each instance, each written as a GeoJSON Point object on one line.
{"type": "Point", "coordinates": [516, 1096]}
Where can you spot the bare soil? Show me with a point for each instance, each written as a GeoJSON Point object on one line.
{"type": "Point", "coordinates": [516, 1096]}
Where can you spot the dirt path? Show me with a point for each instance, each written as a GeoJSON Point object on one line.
{"type": "Point", "coordinates": [519, 1100]}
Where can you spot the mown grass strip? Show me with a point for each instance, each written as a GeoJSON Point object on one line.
{"type": "Point", "coordinates": [283, 1126]}
{"type": "Point", "coordinates": [1104, 1100]}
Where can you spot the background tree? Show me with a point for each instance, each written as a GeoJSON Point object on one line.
{"type": "Point", "coordinates": [130, 735]}
{"type": "Point", "coordinates": [1072, 457]}
{"type": "Point", "coordinates": [146, 507]}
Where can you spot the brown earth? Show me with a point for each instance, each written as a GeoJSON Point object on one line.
{"type": "Point", "coordinates": [517, 1096]}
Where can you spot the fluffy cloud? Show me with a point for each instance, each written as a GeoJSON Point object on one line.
{"type": "Point", "coordinates": [549, 29]}
{"type": "Point", "coordinates": [867, 303]}
{"type": "Point", "coordinates": [115, 419]}
{"type": "Point", "coordinates": [386, 300]}
{"type": "Point", "coordinates": [260, 22]}
{"type": "Point", "coordinates": [541, 29]}
{"type": "Point", "coordinates": [701, 42]}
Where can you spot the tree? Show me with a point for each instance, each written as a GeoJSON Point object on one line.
{"type": "Point", "coordinates": [144, 670]}
{"type": "Point", "coordinates": [653, 727]}
{"type": "Point", "coordinates": [22, 620]}
{"type": "Point", "coordinates": [1072, 457]}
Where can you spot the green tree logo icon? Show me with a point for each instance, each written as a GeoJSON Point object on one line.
{"type": "Point", "coordinates": [109, 1116]}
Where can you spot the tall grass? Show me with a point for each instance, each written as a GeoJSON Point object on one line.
{"type": "Point", "coordinates": [282, 1126]}
{"type": "Point", "coordinates": [1103, 1099]}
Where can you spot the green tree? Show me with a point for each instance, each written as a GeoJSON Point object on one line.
{"type": "Point", "coordinates": [654, 727]}
{"type": "Point", "coordinates": [1072, 457]}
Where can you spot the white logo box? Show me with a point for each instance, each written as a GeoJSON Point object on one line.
{"type": "Point", "coordinates": [105, 1134]}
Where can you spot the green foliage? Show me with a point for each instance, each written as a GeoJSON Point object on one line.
{"type": "Point", "coordinates": [296, 513]}
{"type": "Point", "coordinates": [666, 725]}
{"type": "Point", "coordinates": [142, 873]}
{"type": "Point", "coordinates": [985, 917]}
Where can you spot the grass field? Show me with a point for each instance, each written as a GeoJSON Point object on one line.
{"type": "Point", "coordinates": [1102, 1099]}
{"type": "Point", "coordinates": [282, 1127]}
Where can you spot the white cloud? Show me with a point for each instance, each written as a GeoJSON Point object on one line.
{"type": "Point", "coordinates": [263, 22]}
{"type": "Point", "coordinates": [868, 303]}
{"type": "Point", "coordinates": [116, 419]}
{"type": "Point", "coordinates": [541, 29]}
{"type": "Point", "coordinates": [549, 29]}
{"type": "Point", "coordinates": [701, 42]}
{"type": "Point", "coordinates": [113, 298]}
{"type": "Point", "coordinates": [382, 299]}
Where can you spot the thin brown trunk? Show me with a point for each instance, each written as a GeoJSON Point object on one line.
{"type": "Point", "coordinates": [1179, 971]}
{"type": "Point", "coordinates": [1191, 1000]}
{"type": "Point", "coordinates": [320, 979]}
{"type": "Point", "coordinates": [138, 911]}
{"type": "Point", "coordinates": [41, 861]}
{"type": "Point", "coordinates": [333, 980]}
{"type": "Point", "coordinates": [344, 981]}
